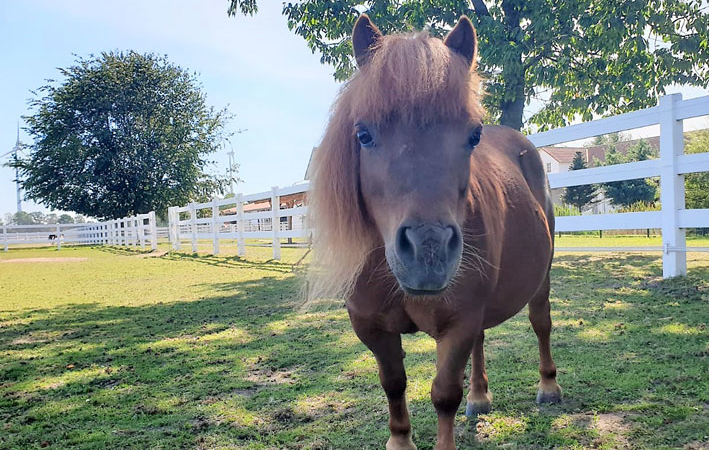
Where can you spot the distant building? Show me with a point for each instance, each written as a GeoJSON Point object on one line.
{"type": "Point", "coordinates": [559, 159]}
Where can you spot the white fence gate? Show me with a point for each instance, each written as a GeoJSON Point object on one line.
{"type": "Point", "coordinates": [135, 231]}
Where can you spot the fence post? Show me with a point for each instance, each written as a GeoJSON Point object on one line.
{"type": "Point", "coordinates": [141, 230]}
{"type": "Point", "coordinates": [674, 262]}
{"type": "Point", "coordinates": [193, 226]}
{"type": "Point", "coordinates": [240, 244]}
{"type": "Point", "coordinates": [215, 226]}
{"type": "Point", "coordinates": [4, 237]}
{"type": "Point", "coordinates": [59, 237]}
{"type": "Point", "coordinates": [170, 228]}
{"type": "Point", "coordinates": [153, 230]}
{"type": "Point", "coordinates": [136, 230]}
{"type": "Point", "coordinates": [275, 221]}
{"type": "Point", "coordinates": [178, 237]}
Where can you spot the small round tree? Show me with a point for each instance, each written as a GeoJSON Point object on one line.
{"type": "Point", "coordinates": [123, 134]}
{"type": "Point", "coordinates": [579, 196]}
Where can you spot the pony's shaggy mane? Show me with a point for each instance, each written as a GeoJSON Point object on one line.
{"type": "Point", "coordinates": [413, 77]}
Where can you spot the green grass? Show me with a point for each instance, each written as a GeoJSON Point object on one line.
{"type": "Point", "coordinates": [202, 352]}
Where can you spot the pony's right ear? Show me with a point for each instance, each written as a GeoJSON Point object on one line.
{"type": "Point", "coordinates": [365, 38]}
{"type": "Point", "coordinates": [463, 40]}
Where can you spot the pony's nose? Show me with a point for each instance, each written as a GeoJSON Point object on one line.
{"type": "Point", "coordinates": [428, 254]}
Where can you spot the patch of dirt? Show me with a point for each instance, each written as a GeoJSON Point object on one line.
{"type": "Point", "coordinates": [266, 376]}
{"type": "Point", "coordinates": [697, 445]}
{"type": "Point", "coordinates": [42, 260]}
{"type": "Point", "coordinates": [607, 424]}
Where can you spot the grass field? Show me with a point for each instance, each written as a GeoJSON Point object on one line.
{"type": "Point", "coordinates": [110, 349]}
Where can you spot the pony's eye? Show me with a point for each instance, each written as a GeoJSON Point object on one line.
{"type": "Point", "coordinates": [474, 138]}
{"type": "Point", "coordinates": [365, 139]}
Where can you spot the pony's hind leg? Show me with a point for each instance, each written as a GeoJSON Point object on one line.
{"type": "Point", "coordinates": [392, 374]}
{"type": "Point", "coordinates": [479, 399]}
{"type": "Point", "coordinates": [539, 316]}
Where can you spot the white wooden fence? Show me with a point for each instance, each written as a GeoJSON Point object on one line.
{"type": "Point", "coordinates": [671, 167]}
{"type": "Point", "coordinates": [135, 231]}
{"type": "Point", "coordinates": [235, 224]}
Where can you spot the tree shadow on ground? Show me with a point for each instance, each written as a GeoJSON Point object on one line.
{"type": "Point", "coordinates": [246, 368]}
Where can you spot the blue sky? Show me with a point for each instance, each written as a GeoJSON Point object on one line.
{"type": "Point", "coordinates": [255, 66]}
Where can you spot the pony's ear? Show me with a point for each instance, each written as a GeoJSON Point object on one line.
{"type": "Point", "coordinates": [365, 37]}
{"type": "Point", "coordinates": [463, 40]}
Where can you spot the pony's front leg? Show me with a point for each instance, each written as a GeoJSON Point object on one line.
{"type": "Point", "coordinates": [479, 397]}
{"type": "Point", "coordinates": [390, 359]}
{"type": "Point", "coordinates": [447, 390]}
{"type": "Point", "coordinates": [540, 317]}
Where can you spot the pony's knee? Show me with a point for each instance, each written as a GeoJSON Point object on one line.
{"type": "Point", "coordinates": [446, 396]}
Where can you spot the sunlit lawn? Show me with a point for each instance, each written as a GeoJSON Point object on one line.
{"type": "Point", "coordinates": [185, 351]}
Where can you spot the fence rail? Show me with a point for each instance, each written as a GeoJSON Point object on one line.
{"type": "Point", "coordinates": [671, 167]}
{"type": "Point", "coordinates": [136, 231]}
{"type": "Point", "coordinates": [228, 219]}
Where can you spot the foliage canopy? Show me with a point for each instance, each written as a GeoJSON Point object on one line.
{"type": "Point", "coordinates": [578, 57]}
{"type": "Point", "coordinates": [123, 134]}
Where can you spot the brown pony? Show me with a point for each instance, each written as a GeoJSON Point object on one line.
{"type": "Point", "coordinates": [426, 220]}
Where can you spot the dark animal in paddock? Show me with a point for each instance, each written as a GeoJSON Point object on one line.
{"type": "Point", "coordinates": [428, 220]}
{"type": "Point", "coordinates": [52, 237]}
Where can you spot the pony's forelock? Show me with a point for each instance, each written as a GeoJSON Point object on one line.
{"type": "Point", "coordinates": [417, 78]}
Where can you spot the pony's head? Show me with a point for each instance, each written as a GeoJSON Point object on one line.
{"type": "Point", "coordinates": [394, 166]}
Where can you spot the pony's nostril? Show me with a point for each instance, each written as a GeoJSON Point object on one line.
{"type": "Point", "coordinates": [453, 238]}
{"type": "Point", "coordinates": [405, 244]}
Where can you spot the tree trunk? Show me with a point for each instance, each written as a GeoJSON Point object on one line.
{"type": "Point", "coordinates": [513, 79]}
{"type": "Point", "coordinates": [512, 110]}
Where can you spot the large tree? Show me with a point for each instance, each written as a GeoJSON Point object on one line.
{"type": "Point", "coordinates": [122, 134]}
{"type": "Point", "coordinates": [578, 57]}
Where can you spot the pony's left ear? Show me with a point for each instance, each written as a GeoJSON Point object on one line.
{"type": "Point", "coordinates": [463, 40]}
{"type": "Point", "coordinates": [365, 38]}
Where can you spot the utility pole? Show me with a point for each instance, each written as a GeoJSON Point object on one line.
{"type": "Point", "coordinates": [231, 161]}
{"type": "Point", "coordinates": [17, 171]}
{"type": "Point", "coordinates": [13, 152]}
{"type": "Point", "coordinates": [231, 170]}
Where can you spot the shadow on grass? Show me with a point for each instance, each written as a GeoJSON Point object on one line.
{"type": "Point", "coordinates": [123, 251]}
{"type": "Point", "coordinates": [231, 261]}
{"type": "Point", "coordinates": [244, 368]}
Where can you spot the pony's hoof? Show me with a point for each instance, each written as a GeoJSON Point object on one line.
{"type": "Point", "coordinates": [481, 405]}
{"type": "Point", "coordinates": [400, 443]}
{"type": "Point", "coordinates": [550, 397]}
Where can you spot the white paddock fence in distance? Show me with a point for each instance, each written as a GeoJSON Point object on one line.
{"type": "Point", "coordinates": [135, 231]}
{"type": "Point", "coordinates": [671, 167]}
{"type": "Point", "coordinates": [273, 222]}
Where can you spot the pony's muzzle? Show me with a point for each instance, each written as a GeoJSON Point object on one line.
{"type": "Point", "coordinates": [426, 257]}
